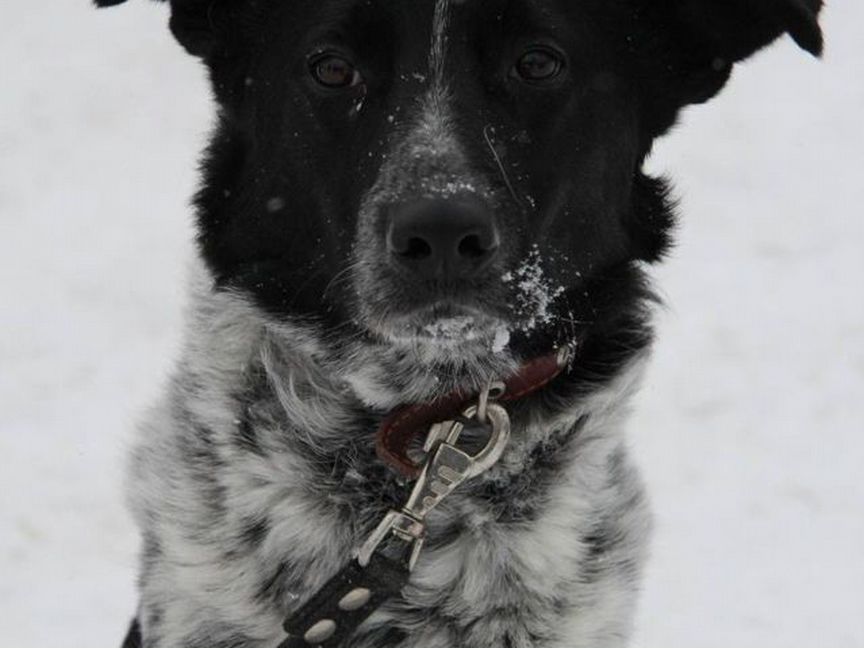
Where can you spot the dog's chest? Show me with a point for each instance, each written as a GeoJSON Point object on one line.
{"type": "Point", "coordinates": [485, 581]}
{"type": "Point", "coordinates": [500, 559]}
{"type": "Point", "coordinates": [271, 509]}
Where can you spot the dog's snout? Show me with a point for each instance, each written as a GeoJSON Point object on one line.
{"type": "Point", "coordinates": [442, 239]}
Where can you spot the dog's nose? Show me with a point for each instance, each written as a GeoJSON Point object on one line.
{"type": "Point", "coordinates": [442, 239]}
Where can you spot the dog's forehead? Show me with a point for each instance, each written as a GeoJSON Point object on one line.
{"type": "Point", "coordinates": [434, 17]}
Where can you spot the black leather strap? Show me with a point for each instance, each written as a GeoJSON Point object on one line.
{"type": "Point", "coordinates": [383, 578]}
{"type": "Point", "coordinates": [133, 637]}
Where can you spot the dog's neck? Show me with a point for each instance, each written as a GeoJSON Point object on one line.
{"type": "Point", "coordinates": [233, 352]}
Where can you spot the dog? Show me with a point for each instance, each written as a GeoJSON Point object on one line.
{"type": "Point", "coordinates": [403, 202]}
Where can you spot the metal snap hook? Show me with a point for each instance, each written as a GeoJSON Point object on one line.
{"type": "Point", "coordinates": [447, 467]}
{"type": "Point", "coordinates": [498, 438]}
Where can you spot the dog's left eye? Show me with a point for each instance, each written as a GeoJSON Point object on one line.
{"type": "Point", "coordinates": [538, 65]}
{"type": "Point", "coordinates": [334, 71]}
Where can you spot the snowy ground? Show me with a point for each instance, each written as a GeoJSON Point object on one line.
{"type": "Point", "coordinates": [749, 427]}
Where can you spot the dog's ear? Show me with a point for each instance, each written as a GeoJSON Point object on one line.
{"type": "Point", "coordinates": [735, 29]}
{"type": "Point", "coordinates": [196, 24]}
{"type": "Point", "coordinates": [707, 37]}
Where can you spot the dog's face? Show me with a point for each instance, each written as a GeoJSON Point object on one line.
{"type": "Point", "coordinates": [435, 171]}
{"type": "Point", "coordinates": [462, 175]}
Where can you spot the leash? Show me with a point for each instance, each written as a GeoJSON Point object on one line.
{"type": "Point", "coordinates": [382, 566]}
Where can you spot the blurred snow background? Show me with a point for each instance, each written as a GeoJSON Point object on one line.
{"type": "Point", "coordinates": [749, 427]}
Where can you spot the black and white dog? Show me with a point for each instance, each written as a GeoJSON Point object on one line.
{"type": "Point", "coordinates": [405, 200]}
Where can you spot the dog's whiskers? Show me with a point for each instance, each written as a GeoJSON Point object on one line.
{"type": "Point", "coordinates": [339, 277]}
{"type": "Point", "coordinates": [487, 135]}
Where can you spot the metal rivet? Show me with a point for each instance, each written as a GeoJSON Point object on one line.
{"type": "Point", "coordinates": [321, 631]}
{"type": "Point", "coordinates": [355, 599]}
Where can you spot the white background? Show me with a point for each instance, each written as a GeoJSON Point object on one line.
{"type": "Point", "coordinates": [749, 427]}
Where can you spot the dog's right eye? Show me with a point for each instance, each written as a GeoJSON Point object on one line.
{"type": "Point", "coordinates": [334, 71]}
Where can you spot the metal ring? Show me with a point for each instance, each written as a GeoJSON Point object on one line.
{"type": "Point", "coordinates": [492, 391]}
{"type": "Point", "coordinates": [565, 355]}
{"type": "Point", "coordinates": [497, 389]}
{"type": "Point", "coordinates": [482, 402]}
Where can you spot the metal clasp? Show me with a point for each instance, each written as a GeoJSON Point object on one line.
{"type": "Point", "coordinates": [447, 467]}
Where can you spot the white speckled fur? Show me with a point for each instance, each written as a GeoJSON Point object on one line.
{"type": "Point", "coordinates": [518, 583]}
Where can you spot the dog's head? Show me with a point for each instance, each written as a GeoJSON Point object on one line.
{"type": "Point", "coordinates": [452, 178]}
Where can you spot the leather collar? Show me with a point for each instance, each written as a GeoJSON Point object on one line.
{"type": "Point", "coordinates": [407, 424]}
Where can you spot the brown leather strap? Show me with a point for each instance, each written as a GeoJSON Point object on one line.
{"type": "Point", "coordinates": [408, 423]}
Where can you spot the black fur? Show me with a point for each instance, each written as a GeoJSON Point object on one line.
{"type": "Point", "coordinates": [634, 65]}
